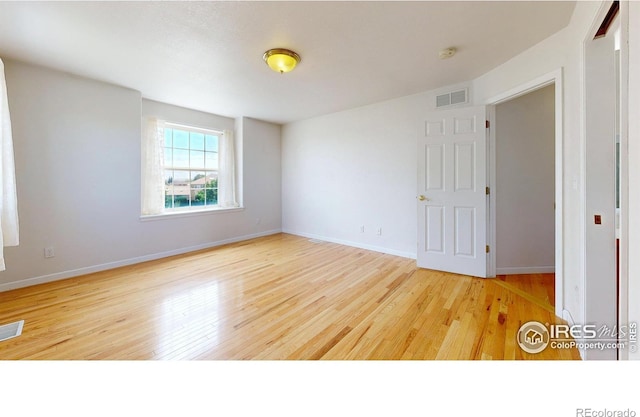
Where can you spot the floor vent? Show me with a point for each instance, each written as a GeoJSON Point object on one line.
{"type": "Point", "coordinates": [11, 330]}
{"type": "Point", "coordinates": [316, 241]}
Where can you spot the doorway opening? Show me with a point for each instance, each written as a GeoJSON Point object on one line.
{"type": "Point", "coordinates": [532, 97]}
{"type": "Point", "coordinates": [525, 194]}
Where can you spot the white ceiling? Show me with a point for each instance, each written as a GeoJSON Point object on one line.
{"type": "Point", "coordinates": [208, 55]}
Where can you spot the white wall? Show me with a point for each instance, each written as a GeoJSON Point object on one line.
{"type": "Point", "coordinates": [355, 168]}
{"type": "Point", "coordinates": [261, 184]}
{"type": "Point", "coordinates": [525, 183]}
{"type": "Point", "coordinates": [181, 115]}
{"type": "Point", "coordinates": [77, 149]}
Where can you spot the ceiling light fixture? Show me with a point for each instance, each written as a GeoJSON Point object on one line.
{"type": "Point", "coordinates": [281, 60]}
{"type": "Point", "coordinates": [447, 53]}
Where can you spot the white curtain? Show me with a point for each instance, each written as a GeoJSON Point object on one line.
{"type": "Point", "coordinates": [227, 173]}
{"type": "Point", "coordinates": [8, 199]}
{"type": "Point", "coordinates": [152, 163]}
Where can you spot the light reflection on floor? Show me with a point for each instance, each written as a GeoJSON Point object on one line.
{"type": "Point", "coordinates": [189, 324]}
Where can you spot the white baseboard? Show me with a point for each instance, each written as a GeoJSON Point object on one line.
{"type": "Point", "coordinates": [116, 264]}
{"type": "Point", "coordinates": [373, 248]}
{"type": "Point", "coordinates": [526, 270]}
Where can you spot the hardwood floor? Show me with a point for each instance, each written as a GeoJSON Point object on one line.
{"type": "Point", "coordinates": [277, 297]}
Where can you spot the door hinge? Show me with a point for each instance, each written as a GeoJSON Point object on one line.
{"type": "Point", "coordinates": [487, 248]}
{"type": "Point", "coordinates": [486, 124]}
{"type": "Point", "coordinates": [487, 190]}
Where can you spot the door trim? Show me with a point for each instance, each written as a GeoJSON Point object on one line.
{"type": "Point", "coordinates": [623, 294]}
{"type": "Point", "coordinates": [554, 77]}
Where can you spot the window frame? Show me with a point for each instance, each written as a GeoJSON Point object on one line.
{"type": "Point", "coordinates": [188, 211]}
{"type": "Point", "coordinates": [198, 130]}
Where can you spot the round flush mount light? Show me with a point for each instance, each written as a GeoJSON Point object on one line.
{"type": "Point", "coordinates": [447, 53]}
{"type": "Point", "coordinates": [281, 60]}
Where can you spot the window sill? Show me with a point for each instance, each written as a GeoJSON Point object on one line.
{"type": "Point", "coordinates": [190, 213]}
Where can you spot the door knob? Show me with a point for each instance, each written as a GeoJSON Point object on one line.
{"type": "Point", "coordinates": [422, 198]}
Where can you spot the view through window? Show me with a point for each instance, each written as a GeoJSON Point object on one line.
{"type": "Point", "coordinates": [191, 166]}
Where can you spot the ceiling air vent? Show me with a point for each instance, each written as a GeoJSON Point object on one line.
{"type": "Point", "coordinates": [11, 330]}
{"type": "Point", "coordinates": [449, 99]}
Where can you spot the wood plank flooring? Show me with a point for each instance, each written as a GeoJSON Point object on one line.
{"type": "Point", "coordinates": [277, 297]}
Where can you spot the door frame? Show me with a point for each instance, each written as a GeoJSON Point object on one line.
{"type": "Point", "coordinates": [554, 77]}
{"type": "Point", "coordinates": [623, 262]}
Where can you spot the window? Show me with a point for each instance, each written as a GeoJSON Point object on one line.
{"type": "Point", "coordinates": [186, 169]}
{"type": "Point", "coordinates": [191, 165]}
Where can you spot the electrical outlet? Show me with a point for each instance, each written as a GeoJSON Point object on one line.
{"type": "Point", "coordinates": [379, 231]}
{"type": "Point", "coordinates": [361, 229]}
{"type": "Point", "coordinates": [49, 252]}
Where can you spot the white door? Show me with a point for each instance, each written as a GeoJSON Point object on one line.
{"type": "Point", "coordinates": [452, 200]}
